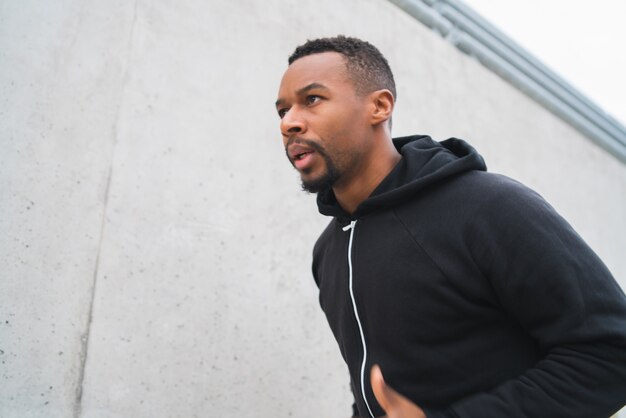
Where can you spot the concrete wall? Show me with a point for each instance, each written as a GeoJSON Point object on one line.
{"type": "Point", "coordinates": [155, 247]}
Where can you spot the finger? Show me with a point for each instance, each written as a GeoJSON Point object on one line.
{"type": "Point", "coordinates": [379, 387]}
{"type": "Point", "coordinates": [393, 403]}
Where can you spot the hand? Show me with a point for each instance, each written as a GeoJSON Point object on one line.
{"type": "Point", "coordinates": [394, 404]}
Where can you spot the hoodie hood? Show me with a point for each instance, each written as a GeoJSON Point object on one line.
{"type": "Point", "coordinates": [424, 162]}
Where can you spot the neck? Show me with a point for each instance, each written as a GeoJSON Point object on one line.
{"type": "Point", "coordinates": [373, 170]}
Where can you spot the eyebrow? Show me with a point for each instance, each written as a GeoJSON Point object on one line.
{"type": "Point", "coordinates": [303, 90]}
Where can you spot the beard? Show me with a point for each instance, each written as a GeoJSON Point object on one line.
{"type": "Point", "coordinates": [330, 176]}
{"type": "Point", "coordinates": [326, 181]}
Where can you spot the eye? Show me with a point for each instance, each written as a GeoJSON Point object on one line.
{"type": "Point", "coordinates": [312, 99]}
{"type": "Point", "coordinates": [282, 112]}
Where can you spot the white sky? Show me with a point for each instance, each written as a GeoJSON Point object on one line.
{"type": "Point", "coordinates": [583, 41]}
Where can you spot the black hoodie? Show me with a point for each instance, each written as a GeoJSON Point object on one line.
{"type": "Point", "coordinates": [475, 297]}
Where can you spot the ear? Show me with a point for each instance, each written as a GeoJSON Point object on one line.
{"type": "Point", "coordinates": [382, 102]}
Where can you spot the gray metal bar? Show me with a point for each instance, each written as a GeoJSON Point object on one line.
{"type": "Point", "coordinates": [475, 36]}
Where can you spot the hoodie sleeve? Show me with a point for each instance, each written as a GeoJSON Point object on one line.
{"type": "Point", "coordinates": [562, 294]}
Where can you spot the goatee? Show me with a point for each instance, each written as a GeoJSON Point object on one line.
{"type": "Point", "coordinates": [328, 179]}
{"type": "Point", "coordinates": [323, 183]}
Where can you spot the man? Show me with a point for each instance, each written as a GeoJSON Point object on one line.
{"type": "Point", "coordinates": [470, 293]}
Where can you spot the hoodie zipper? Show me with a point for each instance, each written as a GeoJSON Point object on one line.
{"type": "Point", "coordinates": [351, 228]}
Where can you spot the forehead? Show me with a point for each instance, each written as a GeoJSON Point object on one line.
{"type": "Point", "coordinates": [326, 68]}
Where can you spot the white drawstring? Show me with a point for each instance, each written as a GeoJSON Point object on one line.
{"type": "Point", "coordinates": [356, 315]}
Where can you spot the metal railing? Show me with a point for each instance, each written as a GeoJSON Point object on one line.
{"type": "Point", "coordinates": [474, 35]}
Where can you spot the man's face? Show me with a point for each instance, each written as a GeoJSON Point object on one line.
{"type": "Point", "coordinates": [323, 121]}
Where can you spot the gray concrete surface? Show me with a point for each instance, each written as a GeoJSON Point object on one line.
{"type": "Point", "coordinates": [60, 88]}
{"type": "Point", "coordinates": [155, 246]}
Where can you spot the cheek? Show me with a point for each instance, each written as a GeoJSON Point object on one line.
{"type": "Point", "coordinates": [340, 125]}
{"type": "Point", "coordinates": [346, 121]}
{"type": "Point", "coordinates": [352, 127]}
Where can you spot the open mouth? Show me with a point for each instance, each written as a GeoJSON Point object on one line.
{"type": "Point", "coordinates": [302, 160]}
{"type": "Point", "coordinates": [298, 152]}
{"type": "Point", "coordinates": [302, 155]}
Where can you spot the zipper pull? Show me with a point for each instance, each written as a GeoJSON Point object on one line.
{"type": "Point", "coordinates": [350, 226]}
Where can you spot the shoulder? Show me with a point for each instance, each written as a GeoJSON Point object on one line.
{"type": "Point", "coordinates": [326, 235]}
{"type": "Point", "coordinates": [490, 195]}
{"type": "Point", "coordinates": [491, 186]}
{"type": "Point", "coordinates": [327, 239]}
{"type": "Point", "coordinates": [475, 194]}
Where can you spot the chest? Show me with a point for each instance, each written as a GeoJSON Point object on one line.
{"type": "Point", "coordinates": [399, 284]}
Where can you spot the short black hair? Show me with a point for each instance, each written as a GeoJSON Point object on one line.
{"type": "Point", "coordinates": [368, 68]}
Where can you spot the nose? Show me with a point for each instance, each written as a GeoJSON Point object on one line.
{"type": "Point", "coordinates": [292, 123]}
